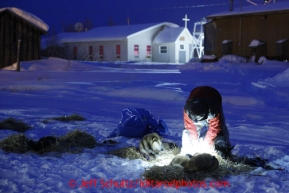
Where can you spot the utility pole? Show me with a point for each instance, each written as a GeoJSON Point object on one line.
{"type": "Point", "coordinates": [128, 20]}
{"type": "Point", "coordinates": [18, 55]}
{"type": "Point", "coordinates": [231, 5]}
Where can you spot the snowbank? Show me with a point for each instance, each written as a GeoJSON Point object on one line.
{"type": "Point", "coordinates": [279, 80]}
{"type": "Point", "coordinates": [52, 64]}
{"type": "Point", "coordinates": [256, 116]}
{"type": "Point", "coordinates": [233, 59]}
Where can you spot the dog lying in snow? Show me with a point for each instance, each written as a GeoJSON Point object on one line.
{"type": "Point", "coordinates": [151, 144]}
{"type": "Point", "coordinates": [196, 163]}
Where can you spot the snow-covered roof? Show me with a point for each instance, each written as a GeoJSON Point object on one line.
{"type": "Point", "coordinates": [226, 41]}
{"type": "Point", "coordinates": [253, 9]}
{"type": "Point", "coordinates": [168, 34]}
{"type": "Point", "coordinates": [112, 33]}
{"type": "Point", "coordinates": [282, 41]}
{"type": "Point", "coordinates": [256, 43]}
{"type": "Point", "coordinates": [29, 17]}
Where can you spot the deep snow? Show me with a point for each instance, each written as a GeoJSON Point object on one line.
{"type": "Point", "coordinates": [255, 102]}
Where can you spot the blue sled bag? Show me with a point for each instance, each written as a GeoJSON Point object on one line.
{"type": "Point", "coordinates": [137, 122]}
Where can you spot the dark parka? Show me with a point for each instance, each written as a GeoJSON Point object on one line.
{"type": "Point", "coordinates": [214, 120]}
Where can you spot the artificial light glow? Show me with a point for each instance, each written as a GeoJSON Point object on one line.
{"type": "Point", "coordinates": [199, 148]}
{"type": "Point", "coordinates": [163, 158]}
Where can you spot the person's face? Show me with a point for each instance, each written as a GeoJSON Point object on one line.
{"type": "Point", "coordinates": [197, 118]}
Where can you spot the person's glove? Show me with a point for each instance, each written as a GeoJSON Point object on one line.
{"type": "Point", "coordinates": [223, 149]}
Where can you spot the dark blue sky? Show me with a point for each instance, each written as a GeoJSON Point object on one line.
{"type": "Point", "coordinates": [59, 13]}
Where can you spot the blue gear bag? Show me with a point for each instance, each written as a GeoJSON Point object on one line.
{"type": "Point", "coordinates": [137, 122]}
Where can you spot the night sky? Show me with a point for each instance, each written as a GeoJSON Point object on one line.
{"type": "Point", "coordinates": [62, 13]}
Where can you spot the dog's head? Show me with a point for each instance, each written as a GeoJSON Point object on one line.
{"type": "Point", "coordinates": [180, 160]}
{"type": "Point", "coordinates": [156, 143]}
{"type": "Point", "coordinates": [202, 162]}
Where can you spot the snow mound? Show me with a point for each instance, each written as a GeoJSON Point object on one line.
{"type": "Point", "coordinates": [277, 80]}
{"type": "Point", "coordinates": [256, 43]}
{"type": "Point", "coordinates": [51, 64]}
{"type": "Point", "coordinates": [233, 59]}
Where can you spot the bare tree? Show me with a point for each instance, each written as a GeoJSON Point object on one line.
{"type": "Point", "coordinates": [87, 24]}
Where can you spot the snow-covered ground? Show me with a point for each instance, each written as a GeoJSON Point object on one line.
{"type": "Point", "coordinates": [255, 102]}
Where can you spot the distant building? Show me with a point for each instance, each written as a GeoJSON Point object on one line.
{"type": "Point", "coordinates": [16, 24]}
{"type": "Point", "coordinates": [172, 45]}
{"type": "Point", "coordinates": [158, 42]}
{"type": "Point", "coordinates": [235, 31]}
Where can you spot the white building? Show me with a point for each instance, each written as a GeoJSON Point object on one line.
{"type": "Point", "coordinates": [158, 42]}
{"type": "Point", "coordinates": [172, 45]}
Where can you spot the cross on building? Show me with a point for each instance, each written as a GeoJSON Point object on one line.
{"type": "Point", "coordinates": [186, 19]}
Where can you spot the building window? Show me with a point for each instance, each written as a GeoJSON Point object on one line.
{"type": "Point", "coordinates": [136, 50]}
{"type": "Point", "coordinates": [182, 47]}
{"type": "Point", "coordinates": [117, 49]}
{"type": "Point", "coordinates": [163, 49]}
{"type": "Point", "coordinates": [74, 53]}
{"type": "Point", "coordinates": [74, 50]}
{"type": "Point", "coordinates": [182, 38]}
{"type": "Point", "coordinates": [90, 50]}
{"type": "Point", "coordinates": [149, 49]}
{"type": "Point", "coordinates": [101, 52]}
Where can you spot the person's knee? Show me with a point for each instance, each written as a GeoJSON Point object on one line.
{"type": "Point", "coordinates": [222, 146]}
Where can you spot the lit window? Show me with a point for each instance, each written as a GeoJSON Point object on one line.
{"type": "Point", "coordinates": [163, 49]}
{"type": "Point", "coordinates": [149, 48]}
{"type": "Point", "coordinates": [117, 49]}
{"type": "Point", "coordinates": [101, 52]}
{"type": "Point", "coordinates": [136, 50]}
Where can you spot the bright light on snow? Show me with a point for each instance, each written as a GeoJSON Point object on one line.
{"type": "Point", "coordinates": [164, 160]}
{"type": "Point", "coordinates": [200, 147]}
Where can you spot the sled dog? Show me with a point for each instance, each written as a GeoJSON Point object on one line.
{"type": "Point", "coordinates": [151, 144]}
{"type": "Point", "coordinates": [196, 163]}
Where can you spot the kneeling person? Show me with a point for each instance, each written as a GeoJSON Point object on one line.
{"type": "Point", "coordinates": [204, 108]}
